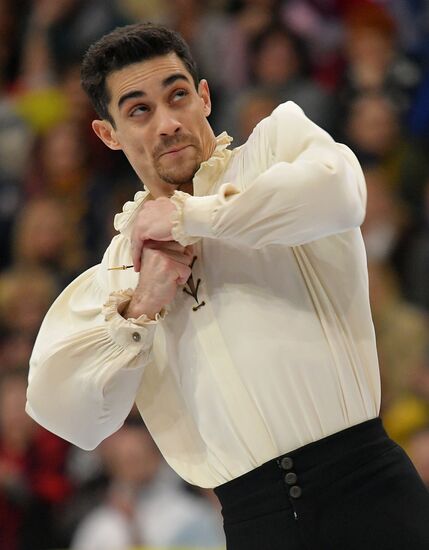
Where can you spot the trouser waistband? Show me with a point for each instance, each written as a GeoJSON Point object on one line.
{"type": "Point", "coordinates": [306, 469]}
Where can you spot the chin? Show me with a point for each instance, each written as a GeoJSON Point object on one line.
{"type": "Point", "coordinates": [177, 181]}
{"type": "Point", "coordinates": [179, 178]}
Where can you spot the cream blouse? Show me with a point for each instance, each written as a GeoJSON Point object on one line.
{"type": "Point", "coordinates": [282, 351]}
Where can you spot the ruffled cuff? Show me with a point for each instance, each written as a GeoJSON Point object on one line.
{"type": "Point", "coordinates": [199, 215]}
{"type": "Point", "coordinates": [135, 333]}
{"type": "Point", "coordinates": [178, 231]}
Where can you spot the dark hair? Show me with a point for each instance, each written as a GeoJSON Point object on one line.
{"type": "Point", "coordinates": [277, 29]}
{"type": "Point", "coordinates": [124, 46]}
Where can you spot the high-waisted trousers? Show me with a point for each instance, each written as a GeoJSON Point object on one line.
{"type": "Point", "coordinates": [354, 490]}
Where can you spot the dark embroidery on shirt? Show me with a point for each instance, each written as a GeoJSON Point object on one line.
{"type": "Point", "coordinates": [192, 289]}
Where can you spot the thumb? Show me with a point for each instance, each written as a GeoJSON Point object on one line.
{"type": "Point", "coordinates": [184, 272]}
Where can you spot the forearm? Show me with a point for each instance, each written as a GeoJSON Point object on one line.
{"type": "Point", "coordinates": [319, 194]}
{"type": "Point", "coordinates": [164, 265]}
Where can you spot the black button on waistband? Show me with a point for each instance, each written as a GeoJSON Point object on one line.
{"type": "Point", "coordinates": [295, 491]}
{"type": "Point", "coordinates": [286, 463]}
{"type": "Point", "coordinates": [291, 478]}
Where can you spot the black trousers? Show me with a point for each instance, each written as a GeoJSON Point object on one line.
{"type": "Point", "coordinates": [354, 490]}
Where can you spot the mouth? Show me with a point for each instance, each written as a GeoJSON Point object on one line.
{"type": "Point", "coordinates": [175, 150]}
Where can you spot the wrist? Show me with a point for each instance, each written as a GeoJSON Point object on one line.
{"type": "Point", "coordinates": [140, 305]}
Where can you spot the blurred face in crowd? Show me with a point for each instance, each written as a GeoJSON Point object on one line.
{"type": "Point", "coordinates": [41, 233]}
{"type": "Point", "coordinates": [62, 152]}
{"type": "Point", "coordinates": [373, 125]}
{"type": "Point", "coordinates": [366, 45]}
{"type": "Point", "coordinates": [15, 349]}
{"type": "Point", "coordinates": [25, 298]}
{"type": "Point", "coordinates": [277, 61]}
{"type": "Point", "coordinates": [131, 456]}
{"type": "Point", "coordinates": [160, 122]}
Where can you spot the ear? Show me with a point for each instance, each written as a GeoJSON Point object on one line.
{"type": "Point", "coordinates": [204, 93]}
{"type": "Point", "coordinates": [107, 134]}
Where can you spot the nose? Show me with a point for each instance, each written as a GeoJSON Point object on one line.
{"type": "Point", "coordinates": [168, 124]}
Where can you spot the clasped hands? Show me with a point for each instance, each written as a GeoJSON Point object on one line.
{"type": "Point", "coordinates": [161, 262]}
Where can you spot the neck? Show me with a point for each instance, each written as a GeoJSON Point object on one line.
{"type": "Point", "coordinates": [186, 188]}
{"type": "Point", "coordinates": [167, 190]}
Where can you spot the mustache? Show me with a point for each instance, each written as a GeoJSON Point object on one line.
{"type": "Point", "coordinates": [169, 142]}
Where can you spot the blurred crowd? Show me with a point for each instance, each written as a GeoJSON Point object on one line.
{"type": "Point", "coordinates": [359, 68]}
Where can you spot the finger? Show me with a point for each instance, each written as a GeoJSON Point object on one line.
{"type": "Point", "coordinates": [180, 257]}
{"type": "Point", "coordinates": [184, 272]}
{"type": "Point", "coordinates": [165, 245]}
{"type": "Point", "coordinates": [136, 253]}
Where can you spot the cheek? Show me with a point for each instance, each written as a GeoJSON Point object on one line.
{"type": "Point", "coordinates": [140, 157]}
{"type": "Point", "coordinates": [136, 151]}
{"type": "Point", "coordinates": [197, 121]}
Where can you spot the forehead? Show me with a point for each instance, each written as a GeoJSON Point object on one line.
{"type": "Point", "coordinates": [144, 75]}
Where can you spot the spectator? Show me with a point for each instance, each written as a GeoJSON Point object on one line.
{"type": "Point", "coordinates": [279, 62]}
{"type": "Point", "coordinates": [142, 504]}
{"type": "Point", "coordinates": [25, 296]}
{"type": "Point", "coordinates": [32, 483]}
{"type": "Point", "coordinates": [373, 130]}
{"type": "Point", "coordinates": [402, 335]}
{"type": "Point", "coordinates": [15, 348]}
{"type": "Point", "coordinates": [385, 219]}
{"type": "Point", "coordinates": [46, 237]}
{"type": "Point", "coordinates": [253, 16]}
{"type": "Point", "coordinates": [63, 168]}
{"type": "Point", "coordinates": [212, 37]}
{"type": "Point", "coordinates": [59, 31]}
{"type": "Point", "coordinates": [311, 20]}
{"type": "Point", "coordinates": [373, 61]}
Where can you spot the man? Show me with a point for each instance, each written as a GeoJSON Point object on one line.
{"type": "Point", "coordinates": [244, 331]}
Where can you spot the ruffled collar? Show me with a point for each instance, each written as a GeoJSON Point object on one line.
{"type": "Point", "coordinates": [208, 172]}
{"type": "Point", "coordinates": [211, 169]}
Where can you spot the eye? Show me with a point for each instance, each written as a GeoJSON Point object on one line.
{"type": "Point", "coordinates": [179, 94]}
{"type": "Point", "coordinates": [139, 110]}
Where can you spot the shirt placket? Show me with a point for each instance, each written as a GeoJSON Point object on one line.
{"type": "Point", "coordinates": [193, 287]}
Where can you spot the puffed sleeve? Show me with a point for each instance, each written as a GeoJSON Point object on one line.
{"type": "Point", "coordinates": [310, 187]}
{"type": "Point", "coordinates": [88, 361]}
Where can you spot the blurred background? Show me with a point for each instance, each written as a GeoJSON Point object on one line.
{"type": "Point", "coordinates": [358, 68]}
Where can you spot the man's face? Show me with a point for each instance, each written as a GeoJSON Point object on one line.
{"type": "Point", "coordinates": [160, 121]}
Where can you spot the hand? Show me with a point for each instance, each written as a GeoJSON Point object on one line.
{"type": "Point", "coordinates": [153, 222]}
{"type": "Point", "coordinates": [165, 265]}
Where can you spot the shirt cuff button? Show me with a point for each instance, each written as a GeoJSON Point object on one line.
{"type": "Point", "coordinates": [136, 337]}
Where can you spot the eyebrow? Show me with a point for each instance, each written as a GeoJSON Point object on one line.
{"type": "Point", "coordinates": [134, 94]}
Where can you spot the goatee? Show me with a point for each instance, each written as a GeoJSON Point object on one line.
{"type": "Point", "coordinates": [182, 173]}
